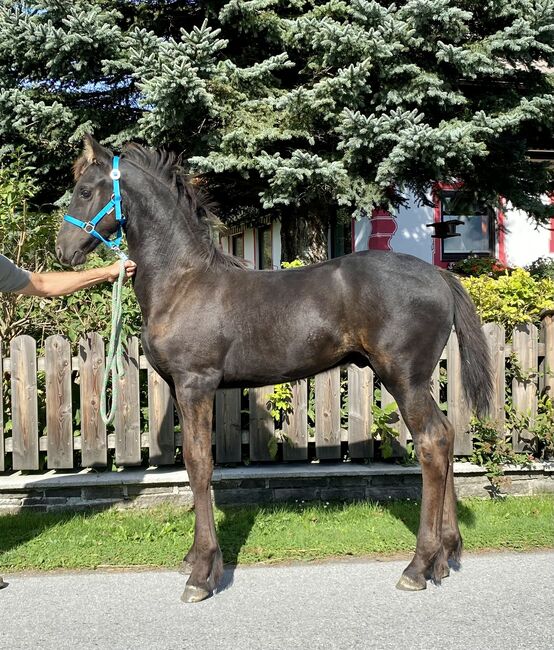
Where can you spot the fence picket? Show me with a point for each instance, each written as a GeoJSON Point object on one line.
{"type": "Point", "coordinates": [161, 420]}
{"type": "Point", "coordinates": [524, 390]}
{"type": "Point", "coordinates": [228, 443]}
{"type": "Point", "coordinates": [495, 335]}
{"type": "Point", "coordinates": [262, 425]}
{"type": "Point", "coordinates": [26, 444]}
{"type": "Point", "coordinates": [458, 409]}
{"type": "Point", "coordinates": [548, 364]}
{"type": "Point", "coordinates": [127, 417]}
{"type": "Point", "coordinates": [295, 427]}
{"type": "Point", "coordinates": [93, 430]}
{"type": "Point", "coordinates": [23, 352]}
{"type": "Point", "coordinates": [2, 442]}
{"type": "Point", "coordinates": [59, 417]}
{"type": "Point", "coordinates": [327, 414]}
{"type": "Point", "coordinates": [360, 418]}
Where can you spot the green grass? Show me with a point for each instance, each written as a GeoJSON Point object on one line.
{"type": "Point", "coordinates": [160, 536]}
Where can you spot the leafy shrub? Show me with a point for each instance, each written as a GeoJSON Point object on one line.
{"type": "Point", "coordinates": [511, 299]}
{"type": "Point", "coordinates": [541, 268]}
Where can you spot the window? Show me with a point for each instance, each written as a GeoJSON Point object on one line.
{"type": "Point", "coordinates": [237, 245]}
{"type": "Point", "coordinates": [476, 232]}
{"type": "Point", "coordinates": [265, 257]}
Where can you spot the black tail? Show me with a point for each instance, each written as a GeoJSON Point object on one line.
{"type": "Point", "coordinates": [474, 351]}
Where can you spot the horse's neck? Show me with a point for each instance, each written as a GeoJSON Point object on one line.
{"type": "Point", "coordinates": [163, 247]}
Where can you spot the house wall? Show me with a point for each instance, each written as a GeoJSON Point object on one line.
{"type": "Point", "coordinates": [518, 243]}
{"type": "Point", "coordinates": [525, 241]}
{"type": "Point", "coordinates": [411, 236]}
{"type": "Point", "coordinates": [251, 245]}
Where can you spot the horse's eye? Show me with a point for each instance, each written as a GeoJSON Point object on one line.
{"type": "Point", "coordinates": [85, 193]}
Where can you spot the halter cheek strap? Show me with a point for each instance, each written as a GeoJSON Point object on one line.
{"type": "Point", "coordinates": [113, 205]}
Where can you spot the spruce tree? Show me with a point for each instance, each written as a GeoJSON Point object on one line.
{"type": "Point", "coordinates": [298, 108]}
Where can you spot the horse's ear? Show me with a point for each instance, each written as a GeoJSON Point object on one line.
{"type": "Point", "coordinates": [93, 154]}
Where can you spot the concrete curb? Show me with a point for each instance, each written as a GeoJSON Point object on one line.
{"type": "Point", "coordinates": [85, 489]}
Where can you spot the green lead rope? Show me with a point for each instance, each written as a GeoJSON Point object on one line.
{"type": "Point", "coordinates": [114, 362]}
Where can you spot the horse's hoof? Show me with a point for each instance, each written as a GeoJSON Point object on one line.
{"type": "Point", "coordinates": [410, 584]}
{"type": "Point", "coordinates": [185, 568]}
{"type": "Point", "coordinates": [445, 572]}
{"type": "Point", "coordinates": [3, 584]}
{"type": "Point", "coordinates": [193, 594]}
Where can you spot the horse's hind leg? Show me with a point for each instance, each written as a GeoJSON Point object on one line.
{"type": "Point", "coordinates": [195, 405]}
{"type": "Point", "coordinates": [433, 437]}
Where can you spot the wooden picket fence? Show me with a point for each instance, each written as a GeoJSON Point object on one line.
{"type": "Point", "coordinates": [51, 407]}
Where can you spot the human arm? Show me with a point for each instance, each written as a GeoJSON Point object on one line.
{"type": "Point", "coordinates": [62, 283]}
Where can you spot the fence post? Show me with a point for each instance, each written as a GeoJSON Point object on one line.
{"type": "Point", "coordinates": [360, 417]}
{"type": "Point", "coordinates": [524, 390]}
{"type": "Point", "coordinates": [262, 425]}
{"type": "Point", "coordinates": [2, 443]}
{"type": "Point", "coordinates": [295, 428]}
{"type": "Point", "coordinates": [23, 352]}
{"type": "Point", "coordinates": [228, 442]}
{"type": "Point", "coordinates": [496, 340]}
{"type": "Point", "coordinates": [547, 326]}
{"type": "Point", "coordinates": [161, 421]}
{"type": "Point", "coordinates": [327, 414]}
{"type": "Point", "coordinates": [59, 416]}
{"type": "Point", "coordinates": [93, 430]}
{"type": "Point", "coordinates": [459, 412]}
{"type": "Point", "coordinates": [127, 417]}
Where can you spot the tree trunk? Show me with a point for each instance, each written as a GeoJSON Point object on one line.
{"type": "Point", "coordinates": [304, 233]}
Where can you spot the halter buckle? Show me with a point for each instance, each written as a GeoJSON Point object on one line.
{"type": "Point", "coordinates": [88, 227]}
{"type": "Point", "coordinates": [115, 174]}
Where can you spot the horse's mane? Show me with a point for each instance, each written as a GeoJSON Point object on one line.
{"type": "Point", "coordinates": [193, 201]}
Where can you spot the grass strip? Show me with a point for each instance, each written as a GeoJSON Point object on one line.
{"type": "Point", "coordinates": [159, 536]}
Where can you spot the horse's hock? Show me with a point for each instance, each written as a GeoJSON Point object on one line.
{"type": "Point", "coordinates": [274, 483]}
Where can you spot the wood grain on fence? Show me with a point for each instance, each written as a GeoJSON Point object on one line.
{"type": "Point", "coordinates": [495, 335]}
{"type": "Point", "coordinates": [24, 403]}
{"type": "Point", "coordinates": [360, 417]}
{"type": "Point", "coordinates": [127, 417]}
{"type": "Point", "coordinates": [262, 425]}
{"type": "Point", "coordinates": [2, 441]}
{"type": "Point", "coordinates": [458, 409]}
{"type": "Point", "coordinates": [547, 327]}
{"type": "Point", "coordinates": [93, 430]}
{"type": "Point", "coordinates": [59, 415]}
{"type": "Point", "coordinates": [327, 415]}
{"type": "Point", "coordinates": [26, 443]}
{"type": "Point", "coordinates": [228, 442]}
{"type": "Point", "coordinates": [295, 427]}
{"type": "Point", "coordinates": [524, 392]}
{"type": "Point", "coordinates": [161, 420]}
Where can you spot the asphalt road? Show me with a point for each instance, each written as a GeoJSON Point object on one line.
{"type": "Point", "coordinates": [496, 601]}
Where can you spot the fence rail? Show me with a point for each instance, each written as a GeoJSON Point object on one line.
{"type": "Point", "coordinates": [50, 406]}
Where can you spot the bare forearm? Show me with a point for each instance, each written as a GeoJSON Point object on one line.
{"type": "Point", "coordinates": [64, 282]}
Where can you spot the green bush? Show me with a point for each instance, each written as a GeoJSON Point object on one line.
{"type": "Point", "coordinates": [511, 298]}
{"type": "Point", "coordinates": [541, 268]}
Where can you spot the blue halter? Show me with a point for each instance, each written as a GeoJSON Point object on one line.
{"type": "Point", "coordinates": [115, 204]}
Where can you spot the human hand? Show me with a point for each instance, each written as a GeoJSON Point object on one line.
{"type": "Point", "coordinates": [113, 270]}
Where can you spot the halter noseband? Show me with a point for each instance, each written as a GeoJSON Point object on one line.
{"type": "Point", "coordinates": [114, 204]}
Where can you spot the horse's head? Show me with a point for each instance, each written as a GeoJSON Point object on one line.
{"type": "Point", "coordinates": [93, 190]}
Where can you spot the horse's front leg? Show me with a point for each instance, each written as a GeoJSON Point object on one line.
{"type": "Point", "coordinates": [195, 402]}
